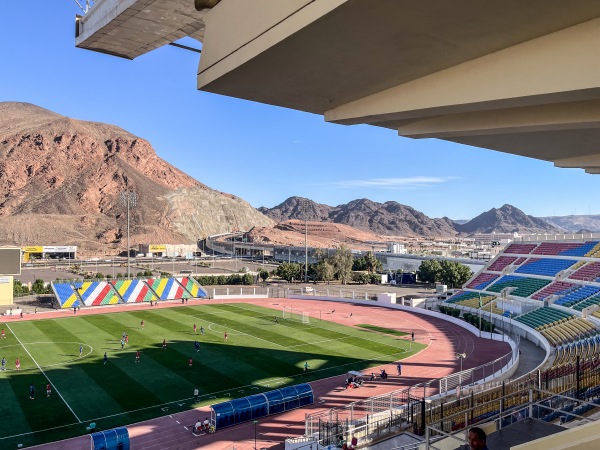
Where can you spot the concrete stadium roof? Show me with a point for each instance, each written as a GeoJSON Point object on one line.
{"type": "Point", "coordinates": [131, 28]}
{"type": "Point", "coordinates": [508, 75]}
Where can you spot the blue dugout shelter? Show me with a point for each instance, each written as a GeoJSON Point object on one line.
{"type": "Point", "coordinates": [260, 405]}
{"type": "Point", "coordinates": [115, 439]}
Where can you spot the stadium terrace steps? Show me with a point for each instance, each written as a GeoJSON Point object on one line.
{"type": "Point", "coordinates": [588, 272]}
{"type": "Point", "coordinates": [556, 288]}
{"type": "Point", "coordinates": [519, 249]}
{"type": "Point", "coordinates": [587, 302]}
{"type": "Point", "coordinates": [582, 292]}
{"type": "Point", "coordinates": [462, 295]}
{"type": "Point", "coordinates": [594, 252]}
{"type": "Point", "coordinates": [482, 280]}
{"type": "Point", "coordinates": [524, 286]}
{"type": "Point", "coordinates": [501, 263]}
{"type": "Point", "coordinates": [543, 316]}
{"type": "Point", "coordinates": [564, 248]}
{"type": "Point", "coordinates": [545, 266]}
{"type": "Point", "coordinates": [568, 331]}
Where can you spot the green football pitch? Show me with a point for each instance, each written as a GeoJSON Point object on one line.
{"type": "Point", "coordinates": [260, 354]}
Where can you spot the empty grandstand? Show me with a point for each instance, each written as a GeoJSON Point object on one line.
{"type": "Point", "coordinates": [553, 300]}
{"type": "Point", "coordinates": [557, 295]}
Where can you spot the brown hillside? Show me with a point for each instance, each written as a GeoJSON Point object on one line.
{"type": "Point", "coordinates": [60, 181]}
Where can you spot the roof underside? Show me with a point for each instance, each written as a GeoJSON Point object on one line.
{"type": "Point", "coordinates": [518, 77]}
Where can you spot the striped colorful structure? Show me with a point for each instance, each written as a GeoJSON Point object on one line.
{"type": "Point", "coordinates": [96, 293]}
{"type": "Point", "coordinates": [166, 288]}
{"type": "Point", "coordinates": [133, 291]}
{"type": "Point", "coordinates": [192, 288]}
{"type": "Point", "coordinates": [66, 295]}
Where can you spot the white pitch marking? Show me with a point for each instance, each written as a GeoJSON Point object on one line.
{"type": "Point", "coordinates": [44, 373]}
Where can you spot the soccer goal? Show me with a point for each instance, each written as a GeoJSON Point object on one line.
{"type": "Point", "coordinates": [295, 314]}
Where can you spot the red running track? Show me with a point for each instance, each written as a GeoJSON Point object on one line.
{"type": "Point", "coordinates": [444, 340]}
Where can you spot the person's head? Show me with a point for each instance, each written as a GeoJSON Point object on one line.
{"type": "Point", "coordinates": [477, 438]}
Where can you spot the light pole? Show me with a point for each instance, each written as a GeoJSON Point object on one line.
{"type": "Point", "coordinates": [460, 356]}
{"type": "Point", "coordinates": [304, 204]}
{"type": "Point", "coordinates": [255, 423]}
{"type": "Point", "coordinates": [128, 199]}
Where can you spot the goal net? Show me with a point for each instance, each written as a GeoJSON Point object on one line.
{"type": "Point", "coordinates": [295, 314]}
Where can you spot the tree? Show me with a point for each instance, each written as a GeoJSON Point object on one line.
{"type": "Point", "coordinates": [325, 271]}
{"type": "Point", "coordinates": [263, 274]}
{"type": "Point", "coordinates": [429, 271]}
{"type": "Point", "coordinates": [19, 288]}
{"type": "Point", "coordinates": [342, 263]}
{"type": "Point", "coordinates": [39, 287]}
{"type": "Point", "coordinates": [359, 264]}
{"type": "Point", "coordinates": [375, 278]}
{"type": "Point", "coordinates": [247, 279]}
{"type": "Point", "coordinates": [454, 273]}
{"type": "Point", "coordinates": [372, 263]}
{"type": "Point", "coordinates": [361, 277]}
{"type": "Point", "coordinates": [288, 271]}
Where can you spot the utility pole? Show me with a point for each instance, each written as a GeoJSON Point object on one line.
{"type": "Point", "coordinates": [128, 199]}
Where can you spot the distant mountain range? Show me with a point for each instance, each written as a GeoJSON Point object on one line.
{"type": "Point", "coordinates": [575, 224]}
{"type": "Point", "coordinates": [394, 219]}
{"type": "Point", "coordinates": [61, 180]}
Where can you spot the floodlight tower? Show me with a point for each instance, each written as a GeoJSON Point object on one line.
{"type": "Point", "coordinates": [129, 200]}
{"type": "Point", "coordinates": [304, 206]}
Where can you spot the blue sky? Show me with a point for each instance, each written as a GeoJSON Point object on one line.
{"type": "Point", "coordinates": [263, 153]}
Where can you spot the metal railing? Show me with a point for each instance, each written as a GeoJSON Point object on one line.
{"type": "Point", "coordinates": [389, 411]}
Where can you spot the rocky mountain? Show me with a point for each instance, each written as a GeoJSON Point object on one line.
{"type": "Point", "coordinates": [395, 219]}
{"type": "Point", "coordinates": [61, 179]}
{"type": "Point", "coordinates": [575, 223]}
{"type": "Point", "coordinates": [294, 209]}
{"type": "Point", "coordinates": [506, 219]}
{"type": "Point", "coordinates": [389, 218]}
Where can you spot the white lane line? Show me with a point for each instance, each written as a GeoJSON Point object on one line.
{"type": "Point", "coordinates": [44, 373]}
